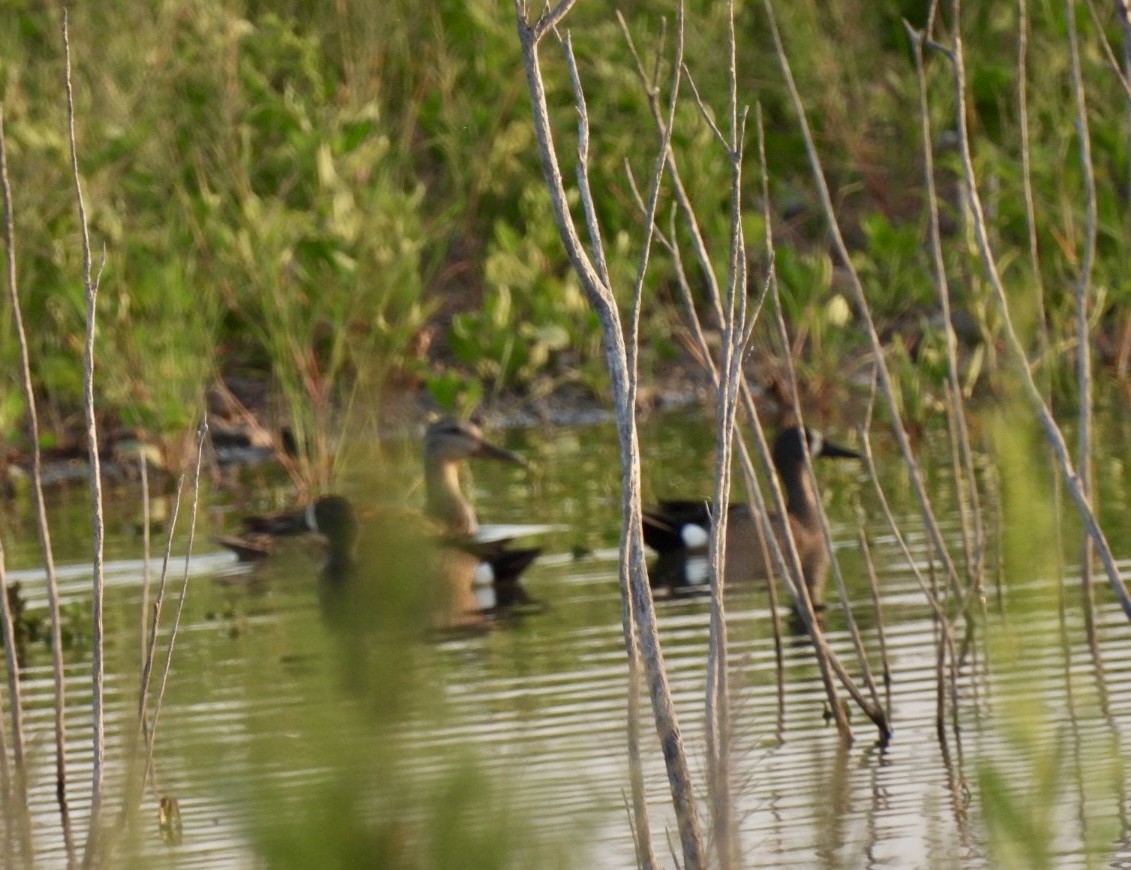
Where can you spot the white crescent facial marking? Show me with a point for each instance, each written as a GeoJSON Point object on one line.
{"type": "Point", "coordinates": [694, 537]}
{"type": "Point", "coordinates": [311, 518]}
{"type": "Point", "coordinates": [816, 444]}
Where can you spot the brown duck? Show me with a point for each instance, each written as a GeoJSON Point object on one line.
{"type": "Point", "coordinates": [478, 573]}
{"type": "Point", "coordinates": [678, 530]}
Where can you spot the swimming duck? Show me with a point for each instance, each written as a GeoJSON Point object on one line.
{"type": "Point", "coordinates": [479, 572]}
{"type": "Point", "coordinates": [679, 530]}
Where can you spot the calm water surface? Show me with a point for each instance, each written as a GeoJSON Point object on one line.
{"type": "Point", "coordinates": [262, 729]}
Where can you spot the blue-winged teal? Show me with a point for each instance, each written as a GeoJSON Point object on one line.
{"type": "Point", "coordinates": [475, 567]}
{"type": "Point", "coordinates": [679, 529]}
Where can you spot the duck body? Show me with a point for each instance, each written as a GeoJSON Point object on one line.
{"type": "Point", "coordinates": [463, 572]}
{"type": "Point", "coordinates": [679, 530]}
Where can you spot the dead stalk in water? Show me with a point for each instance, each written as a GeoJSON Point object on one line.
{"type": "Point", "coordinates": [699, 247]}
{"type": "Point", "coordinates": [877, 608]}
{"type": "Point", "coordinates": [1082, 296]}
{"type": "Point", "coordinates": [1052, 432]}
{"type": "Point", "coordinates": [735, 334]}
{"type": "Point", "coordinates": [14, 787]}
{"type": "Point", "coordinates": [143, 471]}
{"type": "Point", "coordinates": [937, 607]}
{"type": "Point", "coordinates": [966, 489]}
{"type": "Point", "coordinates": [90, 289]}
{"type": "Point", "coordinates": [599, 292]}
{"type": "Point", "coordinates": [874, 710]}
{"type": "Point", "coordinates": [19, 795]}
{"type": "Point", "coordinates": [643, 838]}
{"type": "Point", "coordinates": [862, 309]}
{"type": "Point", "coordinates": [201, 437]}
{"type": "Point", "coordinates": [40, 517]}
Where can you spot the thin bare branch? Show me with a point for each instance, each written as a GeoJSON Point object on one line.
{"type": "Point", "coordinates": [1083, 308]}
{"type": "Point", "coordinates": [1032, 392]}
{"type": "Point", "coordinates": [40, 512]}
{"type": "Point", "coordinates": [19, 794]}
{"type": "Point", "coordinates": [632, 569]}
{"type": "Point", "coordinates": [861, 304]}
{"type": "Point", "coordinates": [202, 435]}
{"type": "Point", "coordinates": [90, 288]}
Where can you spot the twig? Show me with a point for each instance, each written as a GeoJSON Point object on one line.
{"type": "Point", "coordinates": [143, 471]}
{"type": "Point", "coordinates": [10, 658]}
{"type": "Point", "coordinates": [90, 287]}
{"type": "Point", "coordinates": [632, 569]}
{"type": "Point", "coordinates": [202, 436]}
{"type": "Point", "coordinates": [875, 710]}
{"type": "Point", "coordinates": [1032, 392]}
{"type": "Point", "coordinates": [966, 494]}
{"type": "Point", "coordinates": [40, 514]}
{"type": "Point", "coordinates": [15, 788]}
{"type": "Point", "coordinates": [734, 334]}
{"type": "Point", "coordinates": [877, 607]}
{"type": "Point", "coordinates": [1083, 307]}
{"type": "Point", "coordinates": [861, 303]}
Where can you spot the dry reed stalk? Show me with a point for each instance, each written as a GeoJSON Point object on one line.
{"type": "Point", "coordinates": [15, 800]}
{"type": "Point", "coordinates": [622, 373]}
{"type": "Point", "coordinates": [6, 786]}
{"type": "Point", "coordinates": [1082, 293]}
{"type": "Point", "coordinates": [861, 305]}
{"type": "Point", "coordinates": [90, 281]}
{"type": "Point", "coordinates": [642, 824]}
{"type": "Point", "coordinates": [966, 490]}
{"type": "Point", "coordinates": [40, 517]}
{"type": "Point", "coordinates": [941, 620]}
{"type": "Point", "coordinates": [16, 789]}
{"type": "Point", "coordinates": [151, 737]}
{"type": "Point", "coordinates": [143, 471]}
{"type": "Point", "coordinates": [735, 336]}
{"type": "Point", "coordinates": [877, 608]}
{"type": "Point", "coordinates": [875, 710]}
{"type": "Point", "coordinates": [777, 564]}
{"type": "Point", "coordinates": [155, 616]}
{"type": "Point", "coordinates": [1043, 342]}
{"type": "Point", "coordinates": [1052, 432]}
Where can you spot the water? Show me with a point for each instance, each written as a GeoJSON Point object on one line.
{"type": "Point", "coordinates": [269, 743]}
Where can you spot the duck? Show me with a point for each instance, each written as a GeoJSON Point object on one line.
{"type": "Point", "coordinates": [480, 572]}
{"type": "Point", "coordinates": [678, 530]}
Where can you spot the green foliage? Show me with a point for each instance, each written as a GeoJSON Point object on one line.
{"type": "Point", "coordinates": [313, 183]}
{"type": "Point", "coordinates": [532, 317]}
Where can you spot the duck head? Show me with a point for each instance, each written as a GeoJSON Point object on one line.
{"type": "Point", "coordinates": [792, 444]}
{"type": "Point", "coordinates": [447, 443]}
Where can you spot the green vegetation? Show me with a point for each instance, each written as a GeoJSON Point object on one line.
{"type": "Point", "coordinates": [327, 202]}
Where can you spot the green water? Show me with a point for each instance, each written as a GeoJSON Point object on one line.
{"type": "Point", "coordinates": [287, 743]}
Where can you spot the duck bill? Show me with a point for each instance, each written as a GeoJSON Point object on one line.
{"type": "Point", "coordinates": [835, 451]}
{"type": "Point", "coordinates": [486, 450]}
{"type": "Point", "coordinates": [282, 524]}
